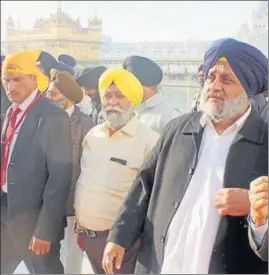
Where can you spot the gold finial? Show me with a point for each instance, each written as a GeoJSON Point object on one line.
{"type": "Point", "coordinates": [59, 7]}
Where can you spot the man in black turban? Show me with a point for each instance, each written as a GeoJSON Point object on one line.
{"type": "Point", "coordinates": [156, 110]}
{"type": "Point", "coordinates": [88, 80]}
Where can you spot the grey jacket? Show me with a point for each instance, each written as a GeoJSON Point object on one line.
{"type": "Point", "coordinates": [80, 124]}
{"type": "Point", "coordinates": [157, 111]}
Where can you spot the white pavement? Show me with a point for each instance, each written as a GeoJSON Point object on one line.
{"type": "Point", "coordinates": [86, 267]}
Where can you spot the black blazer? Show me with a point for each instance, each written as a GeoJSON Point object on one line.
{"type": "Point", "coordinates": [39, 175]}
{"type": "Point", "coordinates": [163, 180]}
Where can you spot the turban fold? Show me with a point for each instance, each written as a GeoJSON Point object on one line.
{"type": "Point", "coordinates": [47, 62]}
{"type": "Point", "coordinates": [248, 63]}
{"type": "Point", "coordinates": [66, 63]}
{"type": "Point", "coordinates": [25, 63]}
{"type": "Point", "coordinates": [89, 77]}
{"type": "Point", "coordinates": [146, 70]}
{"type": "Point", "coordinates": [67, 85]}
{"type": "Point", "coordinates": [127, 83]}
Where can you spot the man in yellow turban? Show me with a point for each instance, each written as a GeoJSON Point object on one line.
{"type": "Point", "coordinates": [24, 64]}
{"type": "Point", "coordinates": [36, 171]}
{"type": "Point", "coordinates": [128, 92]}
{"type": "Point", "coordinates": [112, 154]}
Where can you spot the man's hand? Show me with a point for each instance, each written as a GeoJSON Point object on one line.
{"type": "Point", "coordinates": [258, 196]}
{"type": "Point", "coordinates": [39, 247]}
{"type": "Point", "coordinates": [232, 202]}
{"type": "Point", "coordinates": [113, 254]}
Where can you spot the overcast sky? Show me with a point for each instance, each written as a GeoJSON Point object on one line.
{"type": "Point", "coordinates": [142, 20]}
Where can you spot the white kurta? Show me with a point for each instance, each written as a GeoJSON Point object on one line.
{"type": "Point", "coordinates": [192, 232]}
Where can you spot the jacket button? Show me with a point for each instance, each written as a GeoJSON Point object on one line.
{"type": "Point", "coordinates": [176, 204]}
{"type": "Point", "coordinates": [191, 170]}
{"type": "Point", "coordinates": [12, 183]}
{"type": "Point", "coordinates": [162, 239]}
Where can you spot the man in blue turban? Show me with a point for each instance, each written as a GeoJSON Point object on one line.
{"type": "Point", "coordinates": [66, 63]}
{"type": "Point", "coordinates": [204, 163]}
{"type": "Point", "coordinates": [247, 63]}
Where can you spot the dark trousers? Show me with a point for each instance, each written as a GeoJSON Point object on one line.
{"type": "Point", "coordinates": [94, 246]}
{"type": "Point", "coordinates": [12, 252]}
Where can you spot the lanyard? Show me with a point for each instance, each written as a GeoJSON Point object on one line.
{"type": "Point", "coordinates": [9, 138]}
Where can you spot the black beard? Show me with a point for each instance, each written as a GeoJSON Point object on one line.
{"type": "Point", "coordinates": [96, 100]}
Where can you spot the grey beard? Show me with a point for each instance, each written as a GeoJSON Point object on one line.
{"type": "Point", "coordinates": [117, 121]}
{"type": "Point", "coordinates": [230, 108]}
{"type": "Point", "coordinates": [62, 103]}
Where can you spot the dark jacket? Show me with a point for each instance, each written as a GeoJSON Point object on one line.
{"type": "Point", "coordinates": [5, 104]}
{"type": "Point", "coordinates": [261, 105]}
{"type": "Point", "coordinates": [39, 175]}
{"type": "Point", "coordinates": [80, 124]}
{"type": "Point", "coordinates": [261, 251]}
{"type": "Point", "coordinates": [162, 181]}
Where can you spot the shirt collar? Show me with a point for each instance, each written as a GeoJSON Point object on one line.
{"type": "Point", "coordinates": [24, 105]}
{"type": "Point", "coordinates": [130, 128]}
{"type": "Point", "coordinates": [234, 127]}
{"type": "Point", "coordinates": [151, 102]}
{"type": "Point", "coordinates": [70, 110]}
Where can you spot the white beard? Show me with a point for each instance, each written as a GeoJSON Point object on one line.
{"type": "Point", "coordinates": [86, 105]}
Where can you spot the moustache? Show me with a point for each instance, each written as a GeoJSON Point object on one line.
{"type": "Point", "coordinates": [216, 94]}
{"type": "Point", "coordinates": [110, 108]}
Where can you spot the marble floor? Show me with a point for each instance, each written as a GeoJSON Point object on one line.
{"type": "Point", "coordinates": [86, 267]}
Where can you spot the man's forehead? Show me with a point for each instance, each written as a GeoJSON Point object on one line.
{"type": "Point", "coordinates": [12, 76]}
{"type": "Point", "coordinates": [223, 67]}
{"type": "Point", "coordinates": [113, 89]}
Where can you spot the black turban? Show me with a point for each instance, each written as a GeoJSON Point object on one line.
{"type": "Point", "coordinates": [47, 62]}
{"type": "Point", "coordinates": [146, 70]}
{"type": "Point", "coordinates": [89, 77]}
{"type": "Point", "coordinates": [248, 63]}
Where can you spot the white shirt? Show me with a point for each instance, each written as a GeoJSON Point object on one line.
{"type": "Point", "coordinates": [23, 106]}
{"type": "Point", "coordinates": [70, 110]}
{"type": "Point", "coordinates": [192, 232]}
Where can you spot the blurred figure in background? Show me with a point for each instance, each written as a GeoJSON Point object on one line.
{"type": "Point", "coordinates": [196, 100]}
{"type": "Point", "coordinates": [5, 103]}
{"type": "Point", "coordinates": [65, 92]}
{"type": "Point", "coordinates": [156, 110]}
{"type": "Point", "coordinates": [91, 102]}
{"type": "Point", "coordinates": [260, 103]}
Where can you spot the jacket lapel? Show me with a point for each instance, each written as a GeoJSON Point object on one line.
{"type": "Point", "coordinates": [27, 130]}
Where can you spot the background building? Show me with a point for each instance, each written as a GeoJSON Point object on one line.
{"type": "Point", "coordinates": [256, 31]}
{"type": "Point", "coordinates": [58, 34]}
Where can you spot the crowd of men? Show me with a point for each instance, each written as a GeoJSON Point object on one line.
{"type": "Point", "coordinates": [104, 163]}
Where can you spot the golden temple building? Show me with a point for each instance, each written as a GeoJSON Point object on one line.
{"type": "Point", "coordinates": [59, 34]}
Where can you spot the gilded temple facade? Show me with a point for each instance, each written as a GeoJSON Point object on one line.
{"type": "Point", "coordinates": [58, 34]}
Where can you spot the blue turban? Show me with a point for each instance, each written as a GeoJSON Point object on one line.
{"type": "Point", "coordinates": [248, 63]}
{"type": "Point", "coordinates": [66, 63]}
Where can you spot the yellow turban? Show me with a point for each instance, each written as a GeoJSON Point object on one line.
{"type": "Point", "coordinates": [25, 63]}
{"type": "Point", "coordinates": [223, 59]}
{"type": "Point", "coordinates": [127, 83]}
